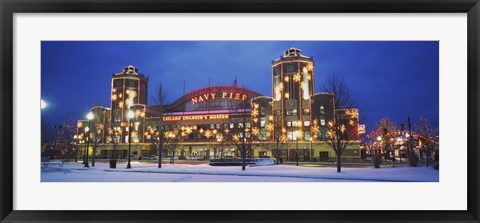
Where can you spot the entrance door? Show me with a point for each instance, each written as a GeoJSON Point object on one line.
{"type": "Point", "coordinates": [262, 153]}
{"type": "Point", "coordinates": [323, 156]}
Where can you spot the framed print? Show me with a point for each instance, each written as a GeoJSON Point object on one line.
{"type": "Point", "coordinates": [200, 111]}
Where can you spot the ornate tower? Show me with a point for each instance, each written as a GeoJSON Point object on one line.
{"type": "Point", "coordinates": [129, 92]}
{"type": "Point", "coordinates": [293, 78]}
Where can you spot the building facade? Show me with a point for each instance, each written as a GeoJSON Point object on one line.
{"type": "Point", "coordinates": [211, 122]}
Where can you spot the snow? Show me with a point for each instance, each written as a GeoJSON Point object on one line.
{"type": "Point", "coordinates": [149, 172]}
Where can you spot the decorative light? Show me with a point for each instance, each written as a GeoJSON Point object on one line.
{"type": "Point", "coordinates": [43, 104]}
{"type": "Point", "coordinates": [130, 114]}
{"type": "Point", "coordinates": [297, 77]}
{"type": "Point", "coordinates": [310, 66]}
{"type": "Point", "coordinates": [269, 127]}
{"type": "Point", "coordinates": [90, 116]}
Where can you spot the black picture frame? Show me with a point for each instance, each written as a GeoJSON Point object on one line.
{"type": "Point", "coordinates": [9, 7]}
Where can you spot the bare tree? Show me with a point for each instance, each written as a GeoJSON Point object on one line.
{"type": "Point", "coordinates": [428, 134]}
{"type": "Point", "coordinates": [243, 139]}
{"type": "Point", "coordinates": [172, 139]}
{"type": "Point", "coordinates": [340, 133]}
{"type": "Point", "coordinates": [64, 136]}
{"type": "Point", "coordinates": [156, 135]}
{"type": "Point", "coordinates": [97, 136]}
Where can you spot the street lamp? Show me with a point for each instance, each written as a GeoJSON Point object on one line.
{"type": "Point", "coordinates": [43, 104]}
{"type": "Point", "coordinates": [87, 135]}
{"type": "Point", "coordinates": [129, 116]}
{"type": "Point", "coordinates": [298, 133]}
{"type": "Point", "coordinates": [311, 147]}
{"type": "Point", "coordinates": [379, 139]}
{"type": "Point", "coordinates": [171, 135]}
{"type": "Point", "coordinates": [87, 132]}
{"type": "Point", "coordinates": [76, 139]}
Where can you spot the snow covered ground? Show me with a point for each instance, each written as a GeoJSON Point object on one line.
{"type": "Point", "coordinates": [148, 172]}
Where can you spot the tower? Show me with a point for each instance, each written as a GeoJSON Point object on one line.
{"type": "Point", "coordinates": [292, 79]}
{"type": "Point", "coordinates": [129, 92]}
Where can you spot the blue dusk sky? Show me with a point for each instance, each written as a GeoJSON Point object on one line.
{"type": "Point", "coordinates": [392, 78]}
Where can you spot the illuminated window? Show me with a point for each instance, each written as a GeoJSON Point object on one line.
{"type": "Point", "coordinates": [294, 111]}
{"type": "Point", "coordinates": [248, 124]}
{"type": "Point", "coordinates": [289, 112]}
{"type": "Point", "coordinates": [262, 111]}
{"type": "Point", "coordinates": [322, 122]}
{"type": "Point", "coordinates": [262, 122]}
{"type": "Point", "coordinates": [225, 125]}
{"type": "Point", "coordinates": [290, 136]}
{"type": "Point", "coordinates": [247, 134]}
{"type": "Point", "coordinates": [240, 125]}
{"type": "Point", "coordinates": [240, 134]}
{"type": "Point", "coordinates": [217, 126]}
{"type": "Point", "coordinates": [212, 126]}
{"type": "Point", "coordinates": [306, 111]}
{"type": "Point", "coordinates": [306, 123]}
{"type": "Point", "coordinates": [232, 125]}
{"type": "Point", "coordinates": [294, 124]}
{"type": "Point", "coordinates": [289, 124]}
{"type": "Point", "coordinates": [307, 135]}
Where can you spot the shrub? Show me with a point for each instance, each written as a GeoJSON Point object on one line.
{"type": "Point", "coordinates": [436, 166]}
{"type": "Point", "coordinates": [377, 160]}
{"type": "Point", "coordinates": [413, 160]}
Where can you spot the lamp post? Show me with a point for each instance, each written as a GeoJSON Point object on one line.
{"type": "Point", "coordinates": [311, 147]}
{"type": "Point", "coordinates": [299, 133]}
{"type": "Point", "coordinates": [87, 133]}
{"type": "Point", "coordinates": [129, 116]}
{"type": "Point", "coordinates": [172, 135]}
{"type": "Point", "coordinates": [75, 139]}
{"type": "Point", "coordinates": [379, 139]}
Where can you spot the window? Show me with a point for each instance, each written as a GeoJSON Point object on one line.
{"type": "Point", "coordinates": [118, 83]}
{"type": "Point", "coordinates": [307, 135]}
{"type": "Point", "coordinates": [295, 123]}
{"type": "Point", "coordinates": [262, 111]}
{"type": "Point", "coordinates": [306, 123]}
{"type": "Point", "coordinates": [240, 125]}
{"type": "Point", "coordinates": [247, 134]}
{"type": "Point", "coordinates": [217, 126]}
{"type": "Point", "coordinates": [232, 125]}
{"type": "Point", "coordinates": [322, 122]}
{"type": "Point", "coordinates": [132, 83]}
{"type": "Point", "coordinates": [262, 122]}
{"type": "Point", "coordinates": [290, 68]}
{"type": "Point", "coordinates": [289, 112]}
{"type": "Point", "coordinates": [321, 107]}
{"type": "Point", "coordinates": [289, 124]}
{"type": "Point", "coordinates": [306, 111]}
{"type": "Point", "coordinates": [294, 111]}
{"type": "Point", "coordinates": [240, 135]}
{"type": "Point", "coordinates": [290, 136]}
{"type": "Point", "coordinates": [248, 124]}
{"type": "Point", "coordinates": [225, 125]}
